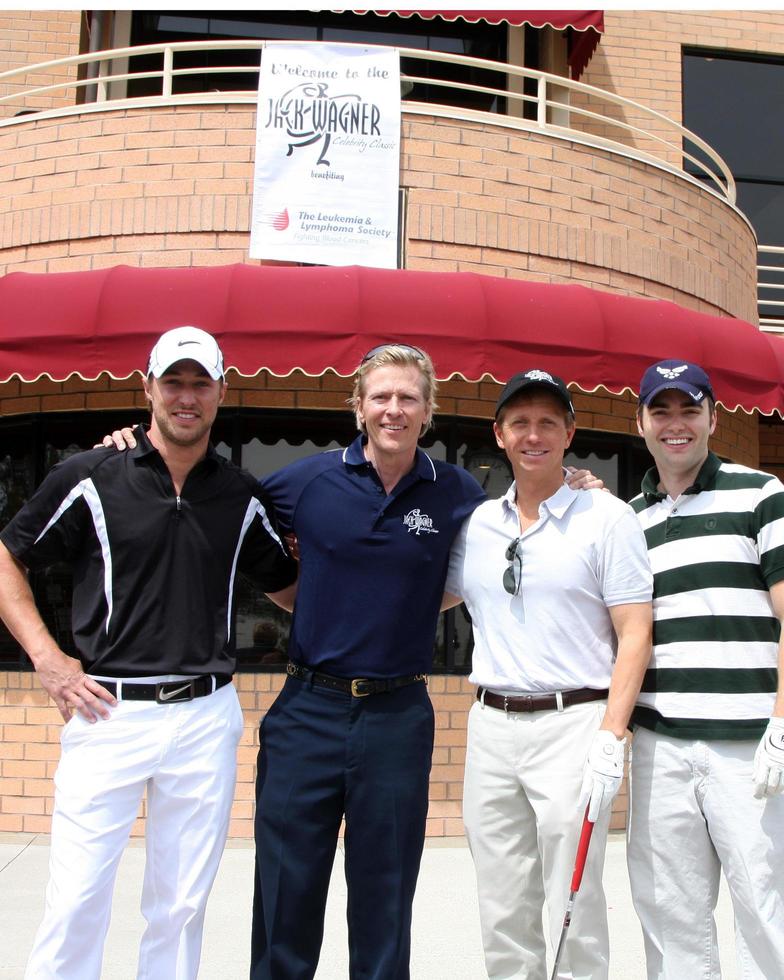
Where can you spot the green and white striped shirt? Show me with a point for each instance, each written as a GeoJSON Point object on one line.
{"type": "Point", "coordinates": [715, 552]}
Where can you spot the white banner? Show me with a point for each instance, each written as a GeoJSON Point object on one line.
{"type": "Point", "coordinates": [327, 175]}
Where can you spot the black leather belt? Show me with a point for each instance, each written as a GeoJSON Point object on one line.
{"type": "Point", "coordinates": [167, 692]}
{"type": "Point", "coordinates": [359, 687]}
{"type": "Point", "coordinates": [539, 702]}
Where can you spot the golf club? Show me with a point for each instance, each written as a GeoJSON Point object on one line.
{"type": "Point", "coordinates": [577, 877]}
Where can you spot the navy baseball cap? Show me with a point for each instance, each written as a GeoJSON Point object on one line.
{"type": "Point", "coordinates": [682, 375]}
{"type": "Point", "coordinates": [535, 379]}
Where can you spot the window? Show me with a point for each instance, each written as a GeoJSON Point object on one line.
{"type": "Point", "coordinates": [480, 40]}
{"type": "Point", "coordinates": [263, 441]}
{"type": "Point", "coordinates": [732, 101]}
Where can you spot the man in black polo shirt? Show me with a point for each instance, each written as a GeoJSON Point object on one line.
{"type": "Point", "coordinates": [155, 537]}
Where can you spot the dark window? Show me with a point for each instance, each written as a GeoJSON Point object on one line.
{"type": "Point", "coordinates": [17, 482]}
{"type": "Point", "coordinates": [531, 59]}
{"type": "Point", "coordinates": [480, 40]}
{"type": "Point", "coordinates": [733, 103]}
{"type": "Point", "coordinates": [263, 441]}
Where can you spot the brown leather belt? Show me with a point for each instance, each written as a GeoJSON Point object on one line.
{"type": "Point", "coordinates": [358, 687]}
{"type": "Point", "coordinates": [539, 702]}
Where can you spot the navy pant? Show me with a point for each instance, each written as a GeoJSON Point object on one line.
{"type": "Point", "coordinates": [324, 754]}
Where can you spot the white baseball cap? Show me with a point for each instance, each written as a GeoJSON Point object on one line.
{"type": "Point", "coordinates": [186, 343]}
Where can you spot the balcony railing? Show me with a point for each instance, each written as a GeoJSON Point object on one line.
{"type": "Point", "coordinates": [770, 288]}
{"type": "Point", "coordinates": [432, 83]}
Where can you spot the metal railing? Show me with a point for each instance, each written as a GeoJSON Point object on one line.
{"type": "Point", "coordinates": [525, 98]}
{"type": "Point", "coordinates": [770, 288]}
{"type": "Point", "coordinates": [488, 92]}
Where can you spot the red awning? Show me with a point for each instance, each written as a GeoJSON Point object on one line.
{"type": "Point", "coordinates": [588, 25]}
{"type": "Point", "coordinates": [580, 20]}
{"type": "Point", "coordinates": [315, 318]}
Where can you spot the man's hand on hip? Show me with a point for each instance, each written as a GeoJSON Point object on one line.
{"type": "Point", "coordinates": [603, 773]}
{"type": "Point", "coordinates": [769, 761]}
{"type": "Point", "coordinates": [66, 683]}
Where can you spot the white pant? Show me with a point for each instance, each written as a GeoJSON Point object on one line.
{"type": "Point", "coordinates": [522, 818]}
{"type": "Point", "coordinates": [184, 755]}
{"type": "Point", "coordinates": [693, 814]}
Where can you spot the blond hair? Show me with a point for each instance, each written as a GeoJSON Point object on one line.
{"type": "Point", "coordinates": [397, 355]}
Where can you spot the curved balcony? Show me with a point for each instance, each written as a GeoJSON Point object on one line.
{"type": "Point", "coordinates": [506, 170]}
{"type": "Point", "coordinates": [771, 288]}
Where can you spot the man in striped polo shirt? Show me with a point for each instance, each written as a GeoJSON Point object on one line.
{"type": "Point", "coordinates": [709, 725]}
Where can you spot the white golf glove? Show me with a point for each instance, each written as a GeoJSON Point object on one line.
{"type": "Point", "coordinates": [769, 761]}
{"type": "Point", "coordinates": [603, 773]}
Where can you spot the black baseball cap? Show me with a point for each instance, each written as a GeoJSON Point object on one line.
{"type": "Point", "coordinates": [535, 378]}
{"type": "Point", "coordinates": [686, 377]}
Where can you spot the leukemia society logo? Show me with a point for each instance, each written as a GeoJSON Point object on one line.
{"type": "Point", "coordinates": [279, 220]}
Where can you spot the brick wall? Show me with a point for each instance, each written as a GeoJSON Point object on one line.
{"type": "Point", "coordinates": [298, 390]}
{"type": "Point", "coordinates": [639, 56]}
{"type": "Point", "coordinates": [487, 199]}
{"type": "Point", "coordinates": [172, 187]}
{"type": "Point", "coordinates": [29, 750]}
{"type": "Point", "coordinates": [30, 728]}
{"type": "Point", "coordinates": [31, 37]}
{"type": "Point", "coordinates": [736, 436]}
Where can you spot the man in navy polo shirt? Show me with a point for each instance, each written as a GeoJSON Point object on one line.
{"type": "Point", "coordinates": [351, 734]}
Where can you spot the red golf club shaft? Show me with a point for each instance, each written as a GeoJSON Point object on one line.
{"type": "Point", "coordinates": [577, 877]}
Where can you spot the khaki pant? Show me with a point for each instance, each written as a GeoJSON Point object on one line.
{"type": "Point", "coordinates": [522, 817]}
{"type": "Point", "coordinates": [693, 816]}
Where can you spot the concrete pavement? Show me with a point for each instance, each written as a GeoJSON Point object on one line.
{"type": "Point", "coordinates": [446, 940]}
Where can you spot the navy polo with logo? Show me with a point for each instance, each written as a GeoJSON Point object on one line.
{"type": "Point", "coordinates": [372, 565]}
{"type": "Point", "coordinates": [372, 572]}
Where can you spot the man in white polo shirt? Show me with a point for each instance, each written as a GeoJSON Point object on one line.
{"type": "Point", "coordinates": [558, 586]}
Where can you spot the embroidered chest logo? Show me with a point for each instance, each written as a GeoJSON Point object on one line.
{"type": "Point", "coordinates": [419, 523]}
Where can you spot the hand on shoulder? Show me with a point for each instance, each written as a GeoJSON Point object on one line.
{"type": "Point", "coordinates": [121, 439]}
{"type": "Point", "coordinates": [584, 480]}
